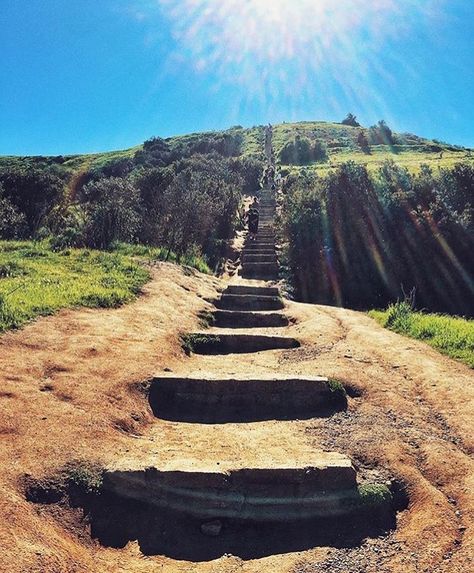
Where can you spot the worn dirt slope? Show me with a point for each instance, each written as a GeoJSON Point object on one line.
{"type": "Point", "coordinates": [68, 391]}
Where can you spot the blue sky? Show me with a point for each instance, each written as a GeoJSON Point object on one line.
{"type": "Point", "coordinates": [85, 76]}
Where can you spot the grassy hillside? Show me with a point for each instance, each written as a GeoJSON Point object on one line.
{"type": "Point", "coordinates": [342, 145]}
{"type": "Point", "coordinates": [341, 141]}
{"type": "Point", "coordinates": [37, 281]}
{"type": "Point", "coordinates": [452, 336]}
{"type": "Point", "coordinates": [252, 145]}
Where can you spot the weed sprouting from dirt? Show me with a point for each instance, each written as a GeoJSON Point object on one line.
{"type": "Point", "coordinates": [78, 480]}
{"type": "Point", "coordinates": [374, 495]}
{"type": "Point", "coordinates": [87, 477]}
{"type": "Point", "coordinates": [338, 396]}
{"type": "Point", "coordinates": [336, 387]}
{"type": "Point", "coordinates": [206, 319]}
{"type": "Point", "coordinates": [192, 342]}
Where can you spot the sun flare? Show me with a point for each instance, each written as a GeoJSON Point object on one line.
{"type": "Point", "coordinates": [291, 46]}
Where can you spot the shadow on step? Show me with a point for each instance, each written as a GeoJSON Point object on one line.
{"type": "Point", "coordinates": [214, 344]}
{"type": "Point", "coordinates": [248, 319]}
{"type": "Point", "coordinates": [241, 401]}
{"type": "Point", "coordinates": [115, 522]}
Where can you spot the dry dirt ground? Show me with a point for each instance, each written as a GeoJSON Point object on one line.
{"type": "Point", "coordinates": [68, 391]}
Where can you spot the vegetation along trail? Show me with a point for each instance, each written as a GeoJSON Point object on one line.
{"type": "Point", "coordinates": [213, 426]}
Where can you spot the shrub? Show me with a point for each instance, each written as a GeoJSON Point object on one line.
{"type": "Point", "coordinates": [32, 191]}
{"type": "Point", "coordinates": [113, 211]}
{"type": "Point", "coordinates": [350, 120]}
{"type": "Point", "coordinates": [12, 221]}
{"type": "Point", "coordinates": [363, 142]}
{"type": "Point", "coordinates": [301, 151]}
{"type": "Point", "coordinates": [354, 238]}
{"type": "Point", "coordinates": [381, 134]}
{"type": "Point", "coordinates": [398, 316]}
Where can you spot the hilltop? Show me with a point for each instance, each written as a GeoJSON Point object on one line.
{"type": "Point", "coordinates": [342, 143]}
{"type": "Point", "coordinates": [380, 212]}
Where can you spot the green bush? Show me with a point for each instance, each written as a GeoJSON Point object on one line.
{"type": "Point", "coordinates": [112, 212]}
{"type": "Point", "coordinates": [354, 238]}
{"type": "Point", "coordinates": [12, 221]}
{"type": "Point", "coordinates": [302, 151]}
{"type": "Point", "coordinates": [33, 192]}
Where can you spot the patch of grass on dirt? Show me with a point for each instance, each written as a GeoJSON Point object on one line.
{"type": "Point", "coordinates": [78, 479]}
{"type": "Point", "coordinates": [206, 319]}
{"type": "Point", "coordinates": [192, 342]}
{"type": "Point", "coordinates": [36, 281]}
{"type": "Point", "coordinates": [153, 254]}
{"type": "Point", "coordinates": [86, 477]}
{"type": "Point", "coordinates": [374, 494]}
{"type": "Point", "coordinates": [450, 335]}
{"type": "Point", "coordinates": [336, 387]}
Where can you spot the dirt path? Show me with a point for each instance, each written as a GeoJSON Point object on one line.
{"type": "Point", "coordinates": [68, 393]}
{"type": "Point", "coordinates": [72, 389]}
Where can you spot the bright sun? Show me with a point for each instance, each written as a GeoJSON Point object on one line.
{"type": "Point", "coordinates": [291, 41]}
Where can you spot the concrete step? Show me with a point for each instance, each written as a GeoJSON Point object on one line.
{"type": "Point", "coordinates": [262, 245]}
{"type": "Point", "coordinates": [258, 275]}
{"type": "Point", "coordinates": [265, 267]}
{"type": "Point", "coordinates": [259, 270]}
{"type": "Point", "coordinates": [263, 235]}
{"type": "Point", "coordinates": [267, 233]}
{"type": "Point", "coordinates": [317, 487]}
{"type": "Point", "coordinates": [265, 251]}
{"type": "Point", "coordinates": [230, 400]}
{"type": "Point", "coordinates": [249, 302]}
{"type": "Point", "coordinates": [244, 289]}
{"type": "Point", "coordinates": [215, 344]}
{"type": "Point", "coordinates": [250, 246]}
{"type": "Point", "coordinates": [245, 319]}
{"type": "Point", "coordinates": [258, 258]}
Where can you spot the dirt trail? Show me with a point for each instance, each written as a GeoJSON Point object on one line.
{"type": "Point", "coordinates": [72, 389]}
{"type": "Point", "coordinates": [68, 392]}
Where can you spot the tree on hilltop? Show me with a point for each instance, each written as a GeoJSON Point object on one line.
{"type": "Point", "coordinates": [381, 134]}
{"type": "Point", "coordinates": [363, 142]}
{"type": "Point", "coordinates": [350, 120]}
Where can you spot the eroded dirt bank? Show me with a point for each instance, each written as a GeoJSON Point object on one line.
{"type": "Point", "coordinates": [69, 391]}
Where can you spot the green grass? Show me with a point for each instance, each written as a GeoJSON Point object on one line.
{"type": "Point", "coordinates": [36, 281]}
{"type": "Point", "coordinates": [450, 335]}
{"type": "Point", "coordinates": [152, 254]}
{"type": "Point", "coordinates": [192, 342]}
{"type": "Point", "coordinates": [411, 159]}
{"type": "Point", "coordinates": [341, 141]}
{"type": "Point", "coordinates": [342, 146]}
{"type": "Point", "coordinates": [374, 495]}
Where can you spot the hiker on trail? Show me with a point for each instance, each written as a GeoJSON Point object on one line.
{"type": "Point", "coordinates": [253, 217]}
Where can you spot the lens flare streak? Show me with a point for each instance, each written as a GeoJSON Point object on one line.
{"type": "Point", "coordinates": [294, 46]}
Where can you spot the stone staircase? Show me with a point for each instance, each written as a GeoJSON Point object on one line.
{"type": "Point", "coordinates": [259, 257]}
{"type": "Point", "coordinates": [221, 467]}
